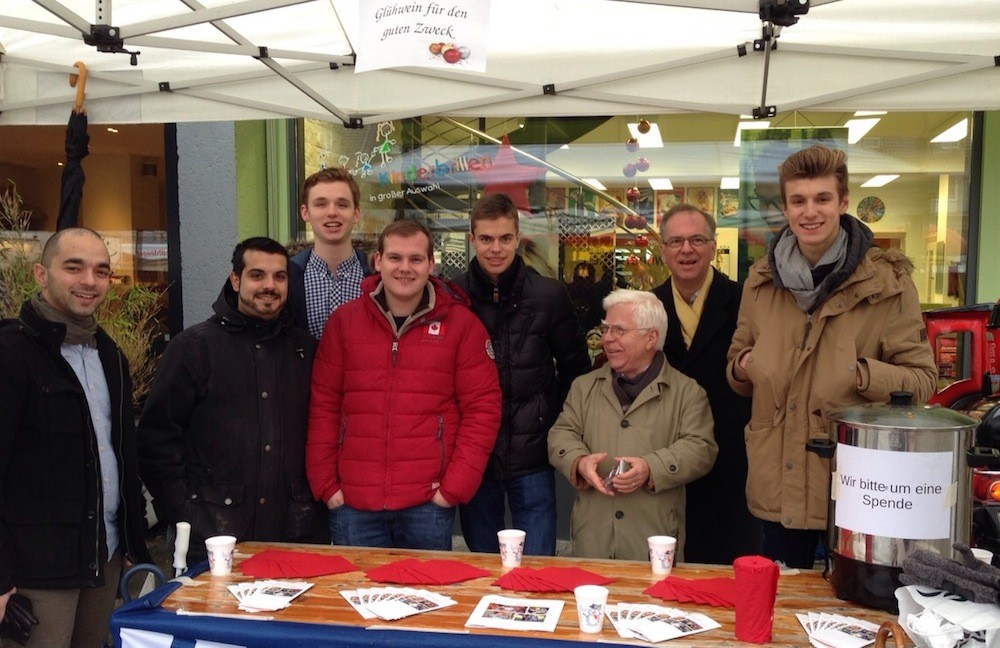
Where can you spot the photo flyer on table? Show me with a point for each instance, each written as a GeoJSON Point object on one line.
{"type": "Point", "coordinates": [835, 631]}
{"type": "Point", "coordinates": [506, 613]}
{"type": "Point", "coordinates": [267, 595]}
{"type": "Point", "coordinates": [391, 603]}
{"type": "Point", "coordinates": [654, 622]}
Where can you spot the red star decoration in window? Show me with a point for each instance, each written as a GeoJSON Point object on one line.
{"type": "Point", "coordinates": [506, 176]}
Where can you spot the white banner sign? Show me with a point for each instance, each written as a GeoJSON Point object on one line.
{"type": "Point", "coordinates": [448, 34]}
{"type": "Point", "coordinates": [894, 494]}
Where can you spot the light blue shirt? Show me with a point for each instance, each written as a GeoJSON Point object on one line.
{"type": "Point", "coordinates": [86, 363]}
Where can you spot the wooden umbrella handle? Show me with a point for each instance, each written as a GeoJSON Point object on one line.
{"type": "Point", "coordinates": [79, 81]}
{"type": "Point", "coordinates": [893, 629]}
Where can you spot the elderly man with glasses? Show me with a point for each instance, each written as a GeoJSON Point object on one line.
{"type": "Point", "coordinates": [702, 304]}
{"type": "Point", "coordinates": [631, 435]}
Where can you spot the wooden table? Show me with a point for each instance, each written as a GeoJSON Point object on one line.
{"type": "Point", "coordinates": [322, 604]}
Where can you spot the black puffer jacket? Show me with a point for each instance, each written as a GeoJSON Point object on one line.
{"type": "Point", "coordinates": [531, 324]}
{"type": "Point", "coordinates": [222, 436]}
{"type": "Point", "coordinates": [51, 528]}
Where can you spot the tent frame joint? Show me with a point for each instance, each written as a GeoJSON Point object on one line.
{"type": "Point", "coordinates": [549, 89]}
{"type": "Point", "coordinates": [108, 39]}
{"type": "Point", "coordinates": [354, 122]}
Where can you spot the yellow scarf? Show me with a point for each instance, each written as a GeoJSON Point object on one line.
{"type": "Point", "coordinates": [690, 314]}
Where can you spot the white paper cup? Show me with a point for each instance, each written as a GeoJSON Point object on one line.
{"type": "Point", "coordinates": [220, 554]}
{"type": "Point", "coordinates": [984, 555]}
{"type": "Point", "coordinates": [511, 547]}
{"type": "Point", "coordinates": [590, 602]}
{"type": "Point", "coordinates": [661, 554]}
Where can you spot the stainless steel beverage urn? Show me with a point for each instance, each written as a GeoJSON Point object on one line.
{"type": "Point", "coordinates": [900, 482]}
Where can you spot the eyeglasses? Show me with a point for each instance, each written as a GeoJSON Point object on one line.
{"type": "Point", "coordinates": [696, 241]}
{"type": "Point", "coordinates": [614, 331]}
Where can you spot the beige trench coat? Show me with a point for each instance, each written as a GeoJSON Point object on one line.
{"type": "Point", "coordinates": [801, 367]}
{"type": "Point", "coordinates": [669, 425]}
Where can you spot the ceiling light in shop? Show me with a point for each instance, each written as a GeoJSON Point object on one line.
{"type": "Point", "coordinates": [956, 133]}
{"type": "Point", "coordinates": [661, 184]}
{"type": "Point", "coordinates": [731, 182]}
{"type": "Point", "coordinates": [595, 183]}
{"type": "Point", "coordinates": [880, 180]}
{"type": "Point", "coordinates": [651, 139]}
{"type": "Point", "coordinates": [858, 128]}
{"type": "Point", "coordinates": [870, 113]}
{"type": "Point", "coordinates": [749, 125]}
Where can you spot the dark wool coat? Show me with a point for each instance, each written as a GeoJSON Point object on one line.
{"type": "Point", "coordinates": [720, 528]}
{"type": "Point", "coordinates": [531, 324]}
{"type": "Point", "coordinates": [222, 436]}
{"type": "Point", "coordinates": [51, 524]}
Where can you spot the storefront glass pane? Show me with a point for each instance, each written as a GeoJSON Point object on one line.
{"type": "Point", "coordinates": [592, 201]}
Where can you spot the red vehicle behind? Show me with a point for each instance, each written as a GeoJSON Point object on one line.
{"type": "Point", "coordinates": [964, 341]}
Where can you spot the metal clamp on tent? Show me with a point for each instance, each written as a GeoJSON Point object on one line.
{"type": "Point", "coordinates": [108, 39]}
{"type": "Point", "coordinates": [775, 14]}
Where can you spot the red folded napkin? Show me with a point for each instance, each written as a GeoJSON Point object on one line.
{"type": "Point", "coordinates": [549, 579]}
{"type": "Point", "coordinates": [719, 592]}
{"type": "Point", "coordinates": [758, 588]}
{"type": "Point", "coordinates": [275, 563]}
{"type": "Point", "coordinates": [411, 571]}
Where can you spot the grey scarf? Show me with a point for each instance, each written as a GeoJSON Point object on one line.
{"type": "Point", "coordinates": [811, 286]}
{"type": "Point", "coordinates": [796, 272]}
{"type": "Point", "coordinates": [78, 330]}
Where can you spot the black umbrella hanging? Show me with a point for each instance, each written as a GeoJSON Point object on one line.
{"type": "Point", "coordinates": [77, 148]}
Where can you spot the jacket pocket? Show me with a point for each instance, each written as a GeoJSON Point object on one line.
{"type": "Point", "coordinates": [764, 456]}
{"type": "Point", "coordinates": [300, 517]}
{"type": "Point", "coordinates": [56, 406]}
{"type": "Point", "coordinates": [216, 509]}
{"type": "Point", "coordinates": [46, 540]}
{"type": "Point", "coordinates": [817, 479]}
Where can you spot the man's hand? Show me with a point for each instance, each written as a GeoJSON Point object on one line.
{"type": "Point", "coordinates": [634, 478]}
{"type": "Point", "coordinates": [439, 500]}
{"type": "Point", "coordinates": [336, 501]}
{"type": "Point", "coordinates": [3, 601]}
{"type": "Point", "coordinates": [740, 368]}
{"type": "Point", "coordinates": [587, 469]}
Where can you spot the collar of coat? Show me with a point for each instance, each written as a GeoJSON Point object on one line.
{"type": "Point", "coordinates": [228, 315]}
{"type": "Point", "coordinates": [876, 278]}
{"type": "Point", "coordinates": [510, 281]}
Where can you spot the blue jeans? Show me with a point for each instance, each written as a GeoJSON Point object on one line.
{"type": "Point", "coordinates": [532, 500]}
{"type": "Point", "coordinates": [425, 526]}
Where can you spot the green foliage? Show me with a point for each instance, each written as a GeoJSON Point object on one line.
{"type": "Point", "coordinates": [128, 315]}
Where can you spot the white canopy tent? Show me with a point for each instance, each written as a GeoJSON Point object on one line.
{"type": "Point", "coordinates": [248, 59]}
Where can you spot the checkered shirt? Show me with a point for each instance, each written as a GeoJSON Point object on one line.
{"type": "Point", "coordinates": [326, 291]}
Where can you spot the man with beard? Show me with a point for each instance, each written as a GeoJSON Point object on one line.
{"type": "Point", "coordinates": [222, 436]}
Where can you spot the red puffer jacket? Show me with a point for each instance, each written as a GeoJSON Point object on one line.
{"type": "Point", "coordinates": [394, 416]}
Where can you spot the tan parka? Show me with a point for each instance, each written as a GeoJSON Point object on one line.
{"type": "Point", "coordinates": [669, 424]}
{"type": "Point", "coordinates": [802, 366]}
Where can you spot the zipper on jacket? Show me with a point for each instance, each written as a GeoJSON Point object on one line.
{"type": "Point", "coordinates": [496, 293]}
{"type": "Point", "coordinates": [440, 439]}
{"type": "Point", "coordinates": [805, 333]}
{"type": "Point", "coordinates": [123, 535]}
{"type": "Point", "coordinates": [395, 348]}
